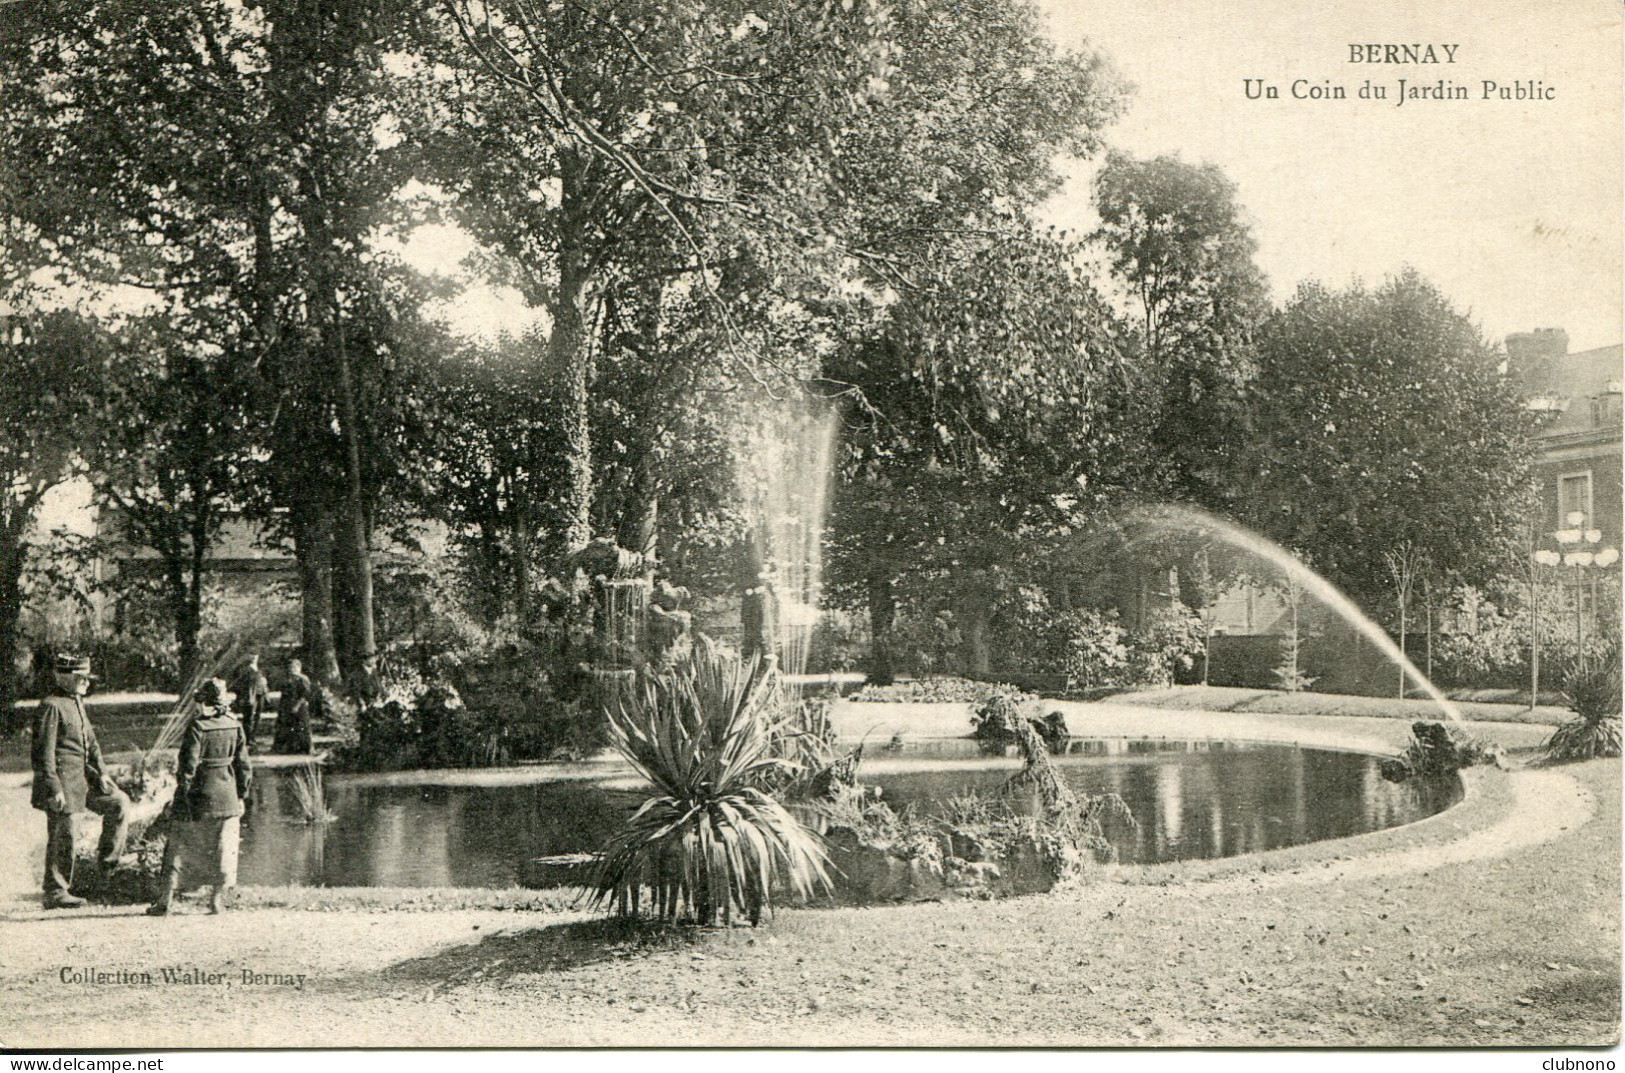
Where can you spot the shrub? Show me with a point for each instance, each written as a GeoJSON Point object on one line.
{"type": "Point", "coordinates": [935, 689]}
{"type": "Point", "coordinates": [388, 737]}
{"type": "Point", "coordinates": [839, 642]}
{"type": "Point", "coordinates": [1167, 643]}
{"type": "Point", "coordinates": [489, 706]}
{"type": "Point", "coordinates": [712, 841]}
{"type": "Point", "coordinates": [527, 712]}
{"type": "Point", "coordinates": [1095, 652]}
{"type": "Point", "coordinates": [1289, 674]}
{"type": "Point", "coordinates": [1489, 644]}
{"type": "Point", "coordinates": [861, 810]}
{"type": "Point", "coordinates": [1592, 683]}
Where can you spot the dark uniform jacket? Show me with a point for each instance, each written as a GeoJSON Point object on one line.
{"type": "Point", "coordinates": [67, 758]}
{"type": "Point", "coordinates": [212, 773]}
{"type": "Point", "coordinates": [253, 692]}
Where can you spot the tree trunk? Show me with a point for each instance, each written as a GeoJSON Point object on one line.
{"type": "Point", "coordinates": [186, 606]}
{"type": "Point", "coordinates": [567, 348]}
{"type": "Point", "coordinates": [11, 609]}
{"type": "Point", "coordinates": [352, 537]}
{"type": "Point", "coordinates": [1402, 649]}
{"type": "Point", "coordinates": [882, 623]}
{"type": "Point", "coordinates": [1534, 636]}
{"type": "Point", "coordinates": [1294, 671]}
{"type": "Point", "coordinates": [1427, 605]}
{"type": "Point", "coordinates": [199, 538]}
{"type": "Point", "coordinates": [313, 551]}
{"type": "Point", "coordinates": [345, 650]}
{"type": "Point", "coordinates": [639, 525]}
{"type": "Point", "coordinates": [519, 563]}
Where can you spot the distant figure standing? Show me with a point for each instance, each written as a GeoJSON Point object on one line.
{"type": "Point", "coordinates": [293, 712]}
{"type": "Point", "coordinates": [253, 696]}
{"type": "Point", "coordinates": [212, 775]}
{"type": "Point", "coordinates": [69, 778]}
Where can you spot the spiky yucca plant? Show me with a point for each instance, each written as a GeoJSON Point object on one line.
{"type": "Point", "coordinates": [1593, 688]}
{"type": "Point", "coordinates": [712, 842]}
{"type": "Point", "coordinates": [311, 790]}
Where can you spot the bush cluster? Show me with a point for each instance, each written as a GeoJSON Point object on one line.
{"type": "Point", "coordinates": [1097, 651]}
{"type": "Point", "coordinates": [937, 689]}
{"type": "Point", "coordinates": [497, 706]}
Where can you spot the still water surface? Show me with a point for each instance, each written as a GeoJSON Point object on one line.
{"type": "Point", "coordinates": [1192, 800]}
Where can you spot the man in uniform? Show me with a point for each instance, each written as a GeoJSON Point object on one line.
{"type": "Point", "coordinates": [253, 694]}
{"type": "Point", "coordinates": [69, 778]}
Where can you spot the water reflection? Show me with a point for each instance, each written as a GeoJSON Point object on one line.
{"type": "Point", "coordinates": [1195, 800]}
{"type": "Point", "coordinates": [1192, 800]}
{"type": "Point", "coordinates": [423, 836]}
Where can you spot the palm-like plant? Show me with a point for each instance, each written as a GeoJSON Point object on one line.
{"type": "Point", "coordinates": [712, 841]}
{"type": "Point", "coordinates": [1593, 688]}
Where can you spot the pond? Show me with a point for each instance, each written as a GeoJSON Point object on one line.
{"type": "Point", "coordinates": [1192, 800]}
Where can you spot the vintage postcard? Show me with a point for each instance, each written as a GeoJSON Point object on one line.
{"type": "Point", "coordinates": [811, 524]}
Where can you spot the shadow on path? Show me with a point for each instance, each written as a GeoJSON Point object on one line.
{"type": "Point", "coordinates": [93, 911]}
{"type": "Point", "coordinates": [551, 949]}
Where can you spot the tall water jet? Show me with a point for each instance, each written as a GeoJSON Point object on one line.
{"type": "Point", "coordinates": [783, 467]}
{"type": "Point", "coordinates": [1189, 518]}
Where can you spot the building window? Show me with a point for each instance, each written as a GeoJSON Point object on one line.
{"type": "Point", "coordinates": [1605, 408]}
{"type": "Point", "coordinates": [1574, 496]}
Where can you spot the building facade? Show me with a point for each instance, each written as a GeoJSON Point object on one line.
{"type": "Point", "coordinates": [1579, 448]}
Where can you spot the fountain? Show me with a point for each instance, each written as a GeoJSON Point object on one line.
{"type": "Point", "coordinates": [1190, 518]}
{"type": "Point", "coordinates": [620, 582]}
{"type": "Point", "coordinates": [783, 468]}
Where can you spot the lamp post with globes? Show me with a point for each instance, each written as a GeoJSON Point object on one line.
{"type": "Point", "coordinates": [1581, 552]}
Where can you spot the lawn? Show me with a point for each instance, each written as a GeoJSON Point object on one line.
{"type": "Point", "coordinates": [1275, 702]}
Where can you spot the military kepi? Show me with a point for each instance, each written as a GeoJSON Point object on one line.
{"type": "Point", "coordinates": [67, 663]}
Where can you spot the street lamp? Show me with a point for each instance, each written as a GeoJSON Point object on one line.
{"type": "Point", "coordinates": [1584, 555]}
{"type": "Point", "coordinates": [1580, 551]}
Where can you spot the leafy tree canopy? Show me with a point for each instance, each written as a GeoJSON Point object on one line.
{"type": "Point", "coordinates": [1380, 418]}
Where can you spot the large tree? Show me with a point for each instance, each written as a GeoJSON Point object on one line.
{"type": "Point", "coordinates": [50, 366]}
{"type": "Point", "coordinates": [598, 146]}
{"type": "Point", "coordinates": [1382, 427]}
{"type": "Point", "coordinates": [168, 455]}
{"type": "Point", "coordinates": [235, 158]}
{"type": "Point", "coordinates": [985, 361]}
{"type": "Point", "coordinates": [702, 195]}
{"type": "Point", "coordinates": [1004, 415]}
{"type": "Point", "coordinates": [1178, 240]}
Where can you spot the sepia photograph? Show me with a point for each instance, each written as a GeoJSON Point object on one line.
{"type": "Point", "coordinates": [808, 524]}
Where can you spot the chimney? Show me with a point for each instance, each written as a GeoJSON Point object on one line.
{"type": "Point", "coordinates": [1533, 359]}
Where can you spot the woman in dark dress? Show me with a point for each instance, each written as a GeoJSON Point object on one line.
{"type": "Point", "coordinates": [211, 780]}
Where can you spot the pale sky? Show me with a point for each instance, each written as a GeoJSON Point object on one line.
{"type": "Point", "coordinates": [1512, 208]}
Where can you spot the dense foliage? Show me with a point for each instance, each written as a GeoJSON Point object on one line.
{"type": "Point", "coordinates": [50, 364]}
{"type": "Point", "coordinates": [1179, 243]}
{"type": "Point", "coordinates": [1351, 461]}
